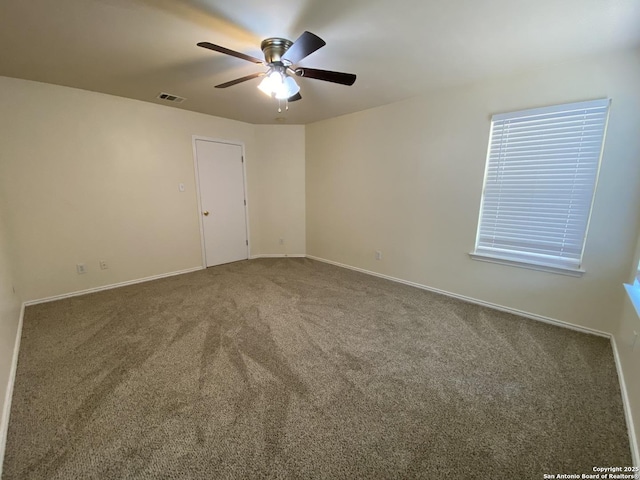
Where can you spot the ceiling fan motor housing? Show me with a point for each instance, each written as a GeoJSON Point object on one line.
{"type": "Point", "coordinates": [274, 48]}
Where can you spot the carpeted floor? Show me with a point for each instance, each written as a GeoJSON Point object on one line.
{"type": "Point", "coordinates": [290, 368]}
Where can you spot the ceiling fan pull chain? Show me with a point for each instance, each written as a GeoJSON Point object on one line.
{"type": "Point", "coordinates": [286, 105]}
{"type": "Point", "coordinates": [279, 106]}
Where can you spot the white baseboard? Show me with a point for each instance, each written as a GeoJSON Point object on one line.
{"type": "Point", "coordinates": [278, 255]}
{"type": "Point", "coordinates": [533, 316]}
{"type": "Point", "coordinates": [6, 410]}
{"type": "Point", "coordinates": [633, 440]}
{"type": "Point", "coordinates": [110, 286]}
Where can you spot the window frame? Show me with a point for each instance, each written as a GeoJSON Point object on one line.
{"type": "Point", "coordinates": [531, 263]}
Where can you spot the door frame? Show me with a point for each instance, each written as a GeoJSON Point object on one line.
{"type": "Point", "coordinates": [194, 138]}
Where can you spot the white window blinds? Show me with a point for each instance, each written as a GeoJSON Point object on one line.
{"type": "Point", "coordinates": [540, 178]}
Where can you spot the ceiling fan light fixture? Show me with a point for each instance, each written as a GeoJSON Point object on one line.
{"type": "Point", "coordinates": [268, 82]}
{"type": "Point", "coordinates": [287, 89]}
{"type": "Point", "coordinates": [278, 84]}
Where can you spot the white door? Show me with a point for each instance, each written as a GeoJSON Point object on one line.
{"type": "Point", "coordinates": [222, 201]}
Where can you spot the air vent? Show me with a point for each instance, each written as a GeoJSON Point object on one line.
{"type": "Point", "coordinates": [170, 98]}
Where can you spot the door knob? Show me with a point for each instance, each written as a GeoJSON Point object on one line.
{"type": "Point", "coordinates": [205, 213]}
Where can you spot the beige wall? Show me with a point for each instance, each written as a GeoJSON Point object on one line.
{"type": "Point", "coordinates": [9, 315]}
{"type": "Point", "coordinates": [406, 179]}
{"type": "Point", "coordinates": [629, 354]}
{"type": "Point", "coordinates": [279, 180]}
{"type": "Point", "coordinates": [92, 177]}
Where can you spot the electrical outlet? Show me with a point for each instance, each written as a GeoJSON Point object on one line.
{"type": "Point", "coordinates": [81, 268]}
{"type": "Point", "coordinates": [103, 265]}
{"type": "Point", "coordinates": [281, 241]}
{"type": "Point", "coordinates": [378, 255]}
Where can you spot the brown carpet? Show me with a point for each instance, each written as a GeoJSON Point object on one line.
{"type": "Point", "coordinates": [290, 368]}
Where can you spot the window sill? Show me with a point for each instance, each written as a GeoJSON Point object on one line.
{"type": "Point", "coordinates": [531, 266]}
{"type": "Point", "coordinates": [634, 295]}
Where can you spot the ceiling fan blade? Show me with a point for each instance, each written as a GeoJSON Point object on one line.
{"type": "Point", "coordinates": [233, 53]}
{"type": "Point", "coordinates": [240, 80]}
{"type": "Point", "coordinates": [305, 45]}
{"type": "Point", "coordinates": [327, 75]}
{"type": "Point", "coordinates": [295, 98]}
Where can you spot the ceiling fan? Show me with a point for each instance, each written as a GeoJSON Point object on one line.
{"type": "Point", "coordinates": [281, 56]}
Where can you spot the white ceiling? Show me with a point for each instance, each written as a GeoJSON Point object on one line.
{"type": "Point", "coordinates": [138, 48]}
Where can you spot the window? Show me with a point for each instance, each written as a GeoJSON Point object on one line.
{"type": "Point", "coordinates": [540, 178]}
{"type": "Point", "coordinates": [634, 294]}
